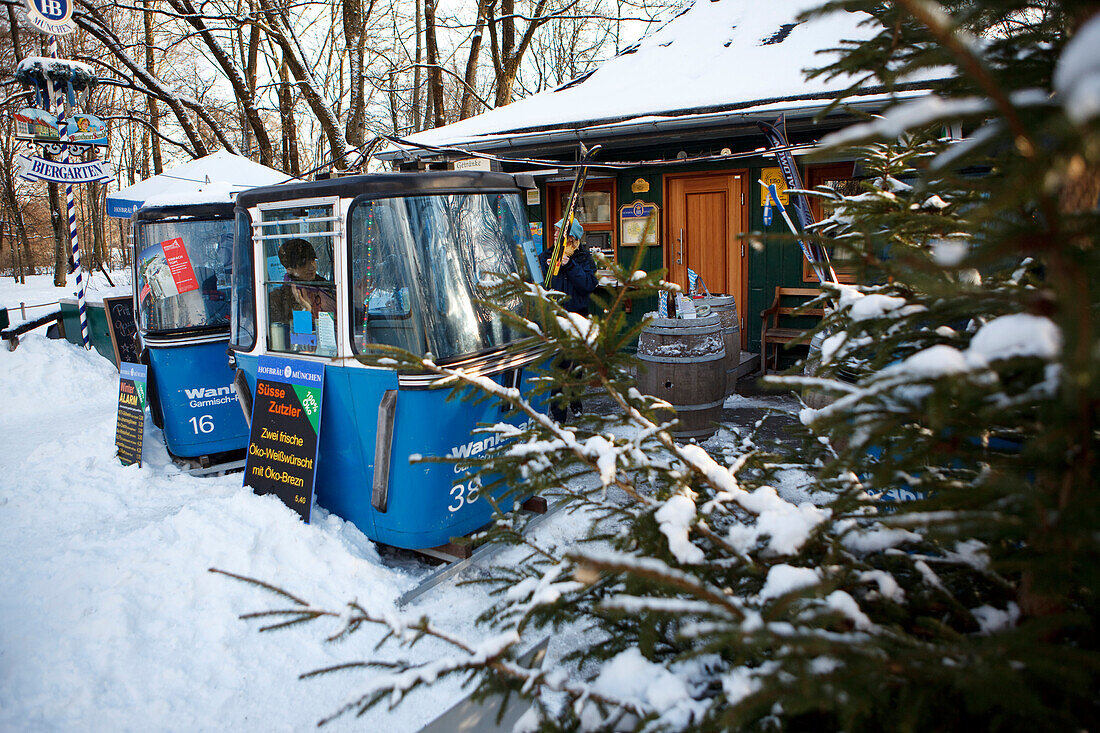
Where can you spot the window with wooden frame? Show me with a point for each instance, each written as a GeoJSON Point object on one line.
{"type": "Point", "coordinates": [841, 178]}
{"type": "Point", "coordinates": [596, 209]}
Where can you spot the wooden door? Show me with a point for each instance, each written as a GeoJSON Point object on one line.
{"type": "Point", "coordinates": [706, 215]}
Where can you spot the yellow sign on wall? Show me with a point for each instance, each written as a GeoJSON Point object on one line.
{"type": "Point", "coordinates": [774, 176]}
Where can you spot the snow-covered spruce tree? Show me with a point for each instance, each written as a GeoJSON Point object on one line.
{"type": "Point", "coordinates": [950, 581]}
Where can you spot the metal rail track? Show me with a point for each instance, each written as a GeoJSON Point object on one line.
{"type": "Point", "coordinates": [456, 567]}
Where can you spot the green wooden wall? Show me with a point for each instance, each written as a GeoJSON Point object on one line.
{"type": "Point", "coordinates": [774, 259]}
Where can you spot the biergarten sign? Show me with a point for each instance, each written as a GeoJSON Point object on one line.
{"type": "Point", "coordinates": [34, 168]}
{"type": "Point", "coordinates": [52, 17]}
{"type": "Point", "coordinates": [57, 84]}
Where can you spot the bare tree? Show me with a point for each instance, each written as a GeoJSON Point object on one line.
{"type": "Point", "coordinates": [508, 52]}
{"type": "Point", "coordinates": [231, 72]}
{"type": "Point", "coordinates": [469, 79]}
{"type": "Point", "coordinates": [151, 102]}
{"type": "Point", "coordinates": [355, 18]}
{"type": "Point", "coordinates": [435, 76]}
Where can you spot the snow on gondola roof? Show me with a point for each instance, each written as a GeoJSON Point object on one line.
{"type": "Point", "coordinates": [714, 57]}
{"type": "Point", "coordinates": [192, 183]}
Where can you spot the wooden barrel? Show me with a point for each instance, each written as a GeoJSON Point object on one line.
{"type": "Point", "coordinates": [725, 307]}
{"type": "Point", "coordinates": [683, 363]}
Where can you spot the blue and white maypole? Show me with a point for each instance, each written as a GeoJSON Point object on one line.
{"type": "Point", "coordinates": [60, 105]}
{"type": "Point", "coordinates": [55, 83]}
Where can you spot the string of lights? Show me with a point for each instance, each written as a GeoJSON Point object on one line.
{"type": "Point", "coordinates": [370, 148]}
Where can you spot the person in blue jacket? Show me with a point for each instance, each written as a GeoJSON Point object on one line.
{"type": "Point", "coordinates": [577, 279]}
{"type": "Point", "coordinates": [577, 275]}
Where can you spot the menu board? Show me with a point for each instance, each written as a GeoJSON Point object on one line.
{"type": "Point", "coordinates": [286, 423]}
{"type": "Point", "coordinates": [130, 426]}
{"type": "Point", "coordinates": [122, 329]}
{"type": "Point", "coordinates": [639, 223]}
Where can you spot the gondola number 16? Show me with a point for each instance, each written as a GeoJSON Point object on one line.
{"type": "Point", "coordinates": [464, 493]}
{"type": "Point", "coordinates": [202, 424]}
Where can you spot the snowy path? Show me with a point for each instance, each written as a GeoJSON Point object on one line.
{"type": "Point", "coordinates": [110, 620]}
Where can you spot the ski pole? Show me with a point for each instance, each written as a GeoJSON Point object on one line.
{"type": "Point", "coordinates": [568, 216]}
{"type": "Point", "coordinates": [811, 258]}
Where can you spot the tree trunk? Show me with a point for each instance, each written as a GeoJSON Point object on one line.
{"type": "Point", "coordinates": [17, 230]}
{"type": "Point", "coordinates": [13, 27]}
{"type": "Point", "coordinates": [95, 214]}
{"type": "Point", "coordinates": [507, 54]}
{"type": "Point", "coordinates": [470, 79]}
{"type": "Point", "coordinates": [61, 244]}
{"type": "Point", "coordinates": [151, 103]}
{"type": "Point", "coordinates": [393, 103]}
{"type": "Point", "coordinates": [16, 263]}
{"type": "Point", "coordinates": [354, 20]}
{"type": "Point", "coordinates": [416, 74]}
{"type": "Point", "coordinates": [435, 74]}
{"type": "Point", "coordinates": [289, 126]}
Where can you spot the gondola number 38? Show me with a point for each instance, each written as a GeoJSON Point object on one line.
{"type": "Point", "coordinates": [464, 493]}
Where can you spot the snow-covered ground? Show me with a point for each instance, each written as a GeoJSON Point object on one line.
{"type": "Point", "coordinates": [109, 616]}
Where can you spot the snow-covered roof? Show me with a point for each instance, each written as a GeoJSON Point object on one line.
{"type": "Point", "coordinates": [215, 177]}
{"type": "Point", "coordinates": [717, 56]}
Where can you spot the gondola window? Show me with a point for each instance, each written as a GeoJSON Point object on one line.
{"type": "Point", "coordinates": [243, 310]}
{"type": "Point", "coordinates": [183, 274]}
{"type": "Point", "coordinates": [422, 267]}
{"type": "Point", "coordinates": [299, 287]}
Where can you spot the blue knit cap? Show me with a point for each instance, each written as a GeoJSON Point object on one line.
{"type": "Point", "coordinates": [575, 230]}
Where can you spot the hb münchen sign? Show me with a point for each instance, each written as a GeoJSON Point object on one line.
{"type": "Point", "coordinates": [52, 17]}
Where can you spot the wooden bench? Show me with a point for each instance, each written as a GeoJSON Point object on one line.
{"type": "Point", "coordinates": [775, 334]}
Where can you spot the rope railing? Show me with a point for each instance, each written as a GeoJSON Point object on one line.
{"type": "Point", "coordinates": [24, 307]}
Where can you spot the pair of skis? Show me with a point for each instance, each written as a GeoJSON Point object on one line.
{"type": "Point", "coordinates": [814, 253]}
{"type": "Point", "coordinates": [569, 214]}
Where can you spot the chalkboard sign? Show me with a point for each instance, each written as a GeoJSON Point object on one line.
{"type": "Point", "coordinates": [130, 427]}
{"type": "Point", "coordinates": [286, 424]}
{"type": "Point", "coordinates": [122, 328]}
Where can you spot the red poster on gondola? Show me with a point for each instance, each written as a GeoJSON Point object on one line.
{"type": "Point", "coordinates": [179, 264]}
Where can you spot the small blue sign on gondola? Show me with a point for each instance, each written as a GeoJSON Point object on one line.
{"type": "Point", "coordinates": [286, 426]}
{"type": "Point", "coordinates": [52, 17]}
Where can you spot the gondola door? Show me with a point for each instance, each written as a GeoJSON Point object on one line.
{"type": "Point", "coordinates": [706, 215]}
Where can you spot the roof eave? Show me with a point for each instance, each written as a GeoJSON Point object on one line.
{"type": "Point", "coordinates": [604, 131]}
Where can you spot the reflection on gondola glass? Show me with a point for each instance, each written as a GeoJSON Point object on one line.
{"type": "Point", "coordinates": [298, 279]}
{"type": "Point", "coordinates": [243, 319]}
{"type": "Point", "coordinates": [420, 264]}
{"type": "Point", "coordinates": [183, 273]}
